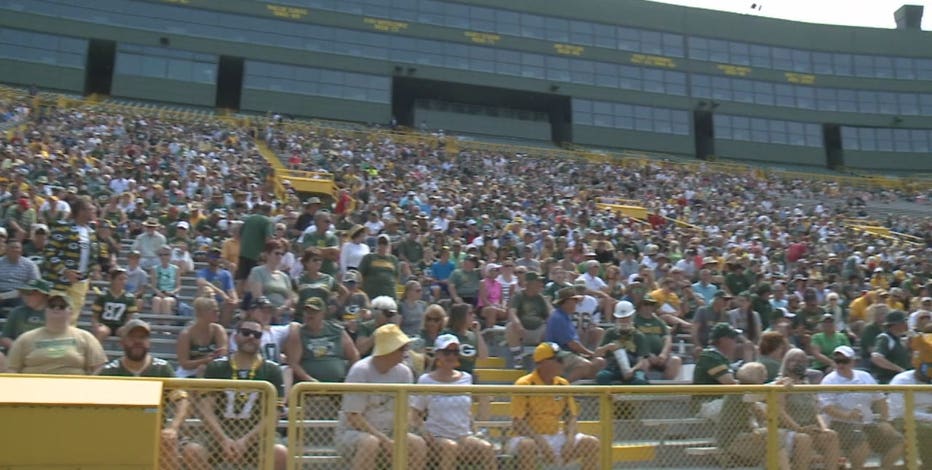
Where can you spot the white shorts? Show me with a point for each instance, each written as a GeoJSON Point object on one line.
{"type": "Point", "coordinates": [555, 441]}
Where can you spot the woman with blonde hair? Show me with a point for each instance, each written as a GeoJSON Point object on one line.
{"type": "Point", "coordinates": [435, 320]}
{"type": "Point", "coordinates": [411, 308]}
{"type": "Point", "coordinates": [202, 341]}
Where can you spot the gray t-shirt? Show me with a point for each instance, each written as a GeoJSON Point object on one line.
{"type": "Point", "coordinates": [378, 410]}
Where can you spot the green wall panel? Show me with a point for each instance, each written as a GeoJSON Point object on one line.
{"type": "Point", "coordinates": [315, 106]}
{"type": "Point", "coordinates": [156, 89]}
{"type": "Point", "coordinates": [42, 75]}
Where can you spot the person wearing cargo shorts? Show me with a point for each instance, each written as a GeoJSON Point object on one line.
{"type": "Point", "coordinates": [364, 434]}
{"type": "Point", "coordinates": [527, 318]}
{"type": "Point", "coordinates": [536, 419]}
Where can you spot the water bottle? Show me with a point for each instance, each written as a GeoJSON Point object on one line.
{"type": "Point", "coordinates": [681, 347]}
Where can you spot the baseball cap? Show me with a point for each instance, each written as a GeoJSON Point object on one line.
{"type": "Point", "coordinates": [844, 351]}
{"type": "Point", "coordinates": [623, 309]}
{"type": "Point", "coordinates": [37, 285]}
{"type": "Point", "coordinates": [894, 317]}
{"type": "Point", "coordinates": [444, 341]}
{"type": "Point", "coordinates": [132, 325]}
{"type": "Point", "coordinates": [182, 225]}
{"type": "Point", "coordinates": [388, 339]}
{"type": "Point", "coordinates": [314, 303]}
{"type": "Point", "coordinates": [720, 294]}
{"type": "Point", "coordinates": [548, 350]}
{"type": "Point", "coordinates": [532, 276]}
{"type": "Point", "coordinates": [350, 276]}
{"type": "Point", "coordinates": [723, 330]}
{"type": "Point", "coordinates": [261, 301]}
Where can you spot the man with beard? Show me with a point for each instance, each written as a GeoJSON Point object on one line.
{"type": "Point", "coordinates": [137, 362]}
{"type": "Point", "coordinates": [234, 419]}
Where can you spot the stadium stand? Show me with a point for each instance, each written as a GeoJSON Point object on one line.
{"type": "Point", "coordinates": [484, 203]}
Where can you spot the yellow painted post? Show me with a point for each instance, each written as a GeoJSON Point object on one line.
{"type": "Point", "coordinates": [400, 455]}
{"type": "Point", "coordinates": [909, 430]}
{"type": "Point", "coordinates": [295, 412]}
{"type": "Point", "coordinates": [608, 432]}
{"type": "Point", "coordinates": [773, 425]}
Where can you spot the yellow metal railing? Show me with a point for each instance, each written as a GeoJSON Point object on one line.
{"type": "Point", "coordinates": [237, 407]}
{"type": "Point", "coordinates": [635, 425]}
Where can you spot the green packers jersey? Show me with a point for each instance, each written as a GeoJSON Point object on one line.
{"type": "Point", "coordinates": [156, 368]}
{"type": "Point", "coordinates": [240, 411]}
{"type": "Point", "coordinates": [112, 310]}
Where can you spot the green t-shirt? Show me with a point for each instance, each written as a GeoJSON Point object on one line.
{"type": "Point", "coordinates": [322, 240]}
{"type": "Point", "coordinates": [240, 412]}
{"type": "Point", "coordinates": [469, 349]}
{"type": "Point", "coordinates": [634, 343]}
{"type": "Point", "coordinates": [827, 345]}
{"type": "Point", "coordinates": [763, 308]}
{"type": "Point", "coordinates": [256, 229]}
{"type": "Point", "coordinates": [411, 250]}
{"type": "Point", "coordinates": [379, 273]}
{"type": "Point", "coordinates": [156, 368]}
{"type": "Point", "coordinates": [315, 288]}
{"type": "Point", "coordinates": [322, 353]}
{"type": "Point", "coordinates": [532, 311]}
{"type": "Point", "coordinates": [113, 310]}
{"type": "Point", "coordinates": [466, 283]}
{"type": "Point", "coordinates": [772, 365]}
{"type": "Point", "coordinates": [711, 365]}
{"type": "Point", "coordinates": [808, 318]}
{"type": "Point", "coordinates": [891, 348]}
{"type": "Point", "coordinates": [868, 337]}
{"type": "Point", "coordinates": [737, 282]}
{"type": "Point", "coordinates": [654, 330]}
{"type": "Point", "coordinates": [551, 289]}
{"type": "Point", "coordinates": [22, 319]}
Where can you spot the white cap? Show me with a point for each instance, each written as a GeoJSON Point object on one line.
{"type": "Point", "coordinates": [844, 351]}
{"type": "Point", "coordinates": [444, 341]}
{"type": "Point", "coordinates": [667, 308]}
{"type": "Point", "coordinates": [183, 225]}
{"type": "Point", "coordinates": [623, 309]}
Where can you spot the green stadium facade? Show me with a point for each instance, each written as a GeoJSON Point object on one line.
{"type": "Point", "coordinates": [605, 73]}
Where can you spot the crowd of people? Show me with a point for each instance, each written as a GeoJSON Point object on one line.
{"type": "Point", "coordinates": [427, 249]}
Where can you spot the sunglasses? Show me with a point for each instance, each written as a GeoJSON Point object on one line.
{"type": "Point", "coordinates": [278, 253]}
{"type": "Point", "coordinates": [389, 313]}
{"type": "Point", "coordinates": [246, 332]}
{"type": "Point", "coordinates": [842, 360]}
{"type": "Point", "coordinates": [165, 254]}
{"type": "Point", "coordinates": [58, 305]}
{"type": "Point", "coordinates": [448, 352]}
{"type": "Point", "coordinates": [433, 319]}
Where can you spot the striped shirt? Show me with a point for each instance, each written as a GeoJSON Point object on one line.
{"type": "Point", "coordinates": [15, 275]}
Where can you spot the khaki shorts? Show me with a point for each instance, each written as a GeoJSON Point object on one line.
{"type": "Point", "coordinates": [572, 361]}
{"type": "Point", "coordinates": [555, 441]}
{"type": "Point", "coordinates": [534, 337]}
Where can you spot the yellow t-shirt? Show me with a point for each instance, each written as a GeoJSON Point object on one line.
{"type": "Point", "coordinates": [666, 298]}
{"type": "Point", "coordinates": [543, 413]}
{"type": "Point", "coordinates": [73, 352]}
{"type": "Point", "coordinates": [857, 310]}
